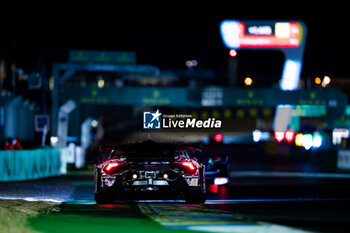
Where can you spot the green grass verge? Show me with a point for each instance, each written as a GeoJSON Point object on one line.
{"type": "Point", "coordinates": [14, 213]}
{"type": "Point", "coordinates": [123, 218]}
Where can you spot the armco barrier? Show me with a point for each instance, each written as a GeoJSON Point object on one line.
{"type": "Point", "coordinates": [29, 164]}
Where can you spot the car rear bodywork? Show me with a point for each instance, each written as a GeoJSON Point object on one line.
{"type": "Point", "coordinates": [149, 170]}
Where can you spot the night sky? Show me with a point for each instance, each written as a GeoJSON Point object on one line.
{"type": "Point", "coordinates": [166, 35]}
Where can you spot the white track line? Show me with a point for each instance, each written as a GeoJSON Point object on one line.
{"type": "Point", "coordinates": [32, 199]}
{"type": "Point", "coordinates": [287, 174]}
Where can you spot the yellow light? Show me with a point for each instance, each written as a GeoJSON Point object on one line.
{"type": "Point", "coordinates": [216, 114]}
{"type": "Point", "coordinates": [240, 113]}
{"type": "Point", "coordinates": [227, 114]}
{"type": "Point", "coordinates": [248, 81]}
{"type": "Point", "coordinates": [204, 115]}
{"type": "Point", "coordinates": [318, 80]}
{"type": "Point", "coordinates": [282, 30]}
{"type": "Point", "coordinates": [266, 112]}
{"type": "Point", "coordinates": [299, 139]}
{"type": "Point", "coordinates": [326, 80]}
{"type": "Point", "coordinates": [51, 83]}
{"type": "Point", "coordinates": [253, 112]}
{"type": "Point", "coordinates": [100, 83]}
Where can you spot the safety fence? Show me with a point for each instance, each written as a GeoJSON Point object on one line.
{"type": "Point", "coordinates": [30, 164]}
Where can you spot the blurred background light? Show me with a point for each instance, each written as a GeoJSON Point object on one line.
{"type": "Point", "coordinates": [326, 81]}
{"type": "Point", "coordinates": [256, 135]}
{"type": "Point", "coordinates": [248, 81]}
{"type": "Point", "coordinates": [338, 134]}
{"type": "Point", "coordinates": [53, 141]}
{"type": "Point", "coordinates": [283, 117]}
{"type": "Point", "coordinates": [94, 123]}
{"type": "Point", "coordinates": [307, 141]}
{"type": "Point", "coordinates": [233, 53]}
{"type": "Point", "coordinates": [279, 136]}
{"type": "Point", "coordinates": [289, 135]}
{"type": "Point", "coordinates": [100, 83]}
{"type": "Point", "coordinates": [299, 139]}
{"type": "Point", "coordinates": [218, 137]}
{"type": "Point", "coordinates": [282, 30]}
{"type": "Point", "coordinates": [290, 75]}
{"type": "Point", "coordinates": [317, 140]}
{"type": "Point", "coordinates": [191, 63]}
{"type": "Point", "coordinates": [220, 180]}
{"type": "Point", "coordinates": [318, 80]}
{"type": "Point", "coordinates": [229, 32]}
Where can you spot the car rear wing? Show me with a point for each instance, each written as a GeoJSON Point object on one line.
{"type": "Point", "coordinates": [193, 146]}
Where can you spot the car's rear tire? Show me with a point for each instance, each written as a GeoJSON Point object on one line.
{"type": "Point", "coordinates": [100, 196]}
{"type": "Point", "coordinates": [195, 197]}
{"type": "Point", "coordinates": [103, 199]}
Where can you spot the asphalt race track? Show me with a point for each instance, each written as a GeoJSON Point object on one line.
{"type": "Point", "coordinates": [249, 204]}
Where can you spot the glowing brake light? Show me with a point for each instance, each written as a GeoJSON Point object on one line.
{"type": "Point", "coordinates": [111, 165]}
{"type": "Point", "coordinates": [189, 165]}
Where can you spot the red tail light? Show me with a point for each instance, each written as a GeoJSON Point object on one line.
{"type": "Point", "coordinates": [188, 167]}
{"type": "Point", "coordinates": [112, 167]}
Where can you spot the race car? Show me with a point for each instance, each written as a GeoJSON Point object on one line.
{"type": "Point", "coordinates": [216, 165]}
{"type": "Point", "coordinates": [148, 170]}
{"type": "Point", "coordinates": [216, 169]}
